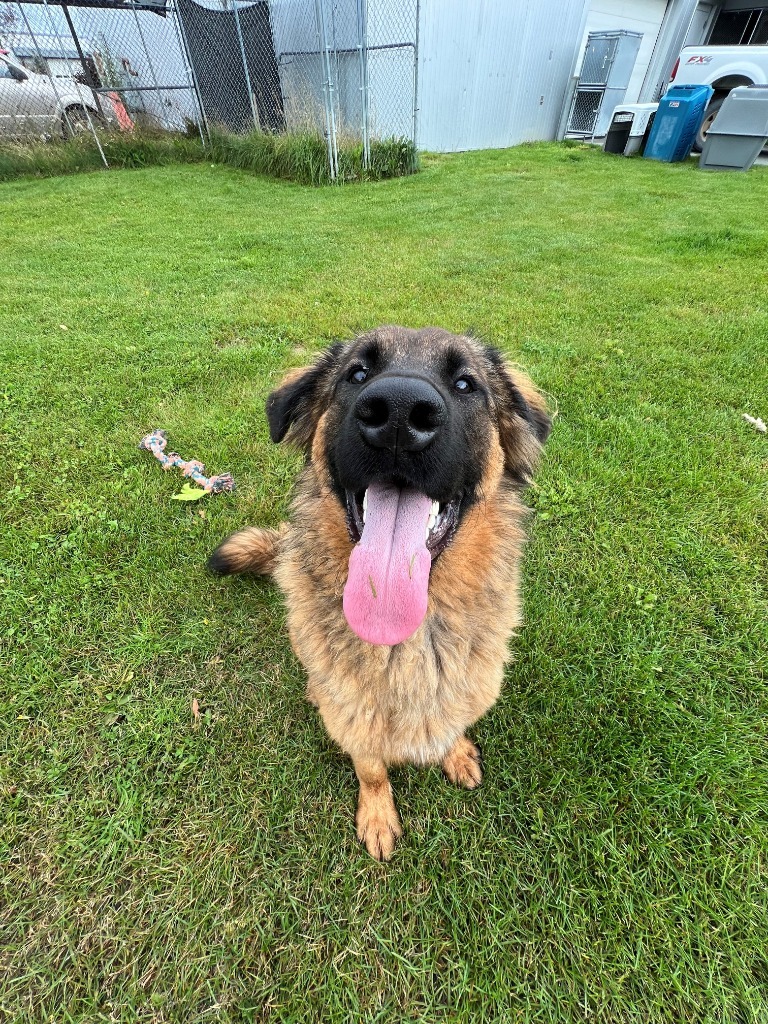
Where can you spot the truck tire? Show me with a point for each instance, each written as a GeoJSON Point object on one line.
{"type": "Point", "coordinates": [76, 122]}
{"type": "Point", "coordinates": [701, 135]}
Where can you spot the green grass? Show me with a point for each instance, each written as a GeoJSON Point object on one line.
{"type": "Point", "coordinates": [301, 157]}
{"type": "Point", "coordinates": [612, 868]}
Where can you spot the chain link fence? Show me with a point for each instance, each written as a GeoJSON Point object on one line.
{"type": "Point", "coordinates": [345, 69]}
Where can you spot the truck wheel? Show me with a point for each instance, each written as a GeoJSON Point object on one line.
{"type": "Point", "coordinates": [706, 124]}
{"type": "Point", "coordinates": [76, 122]}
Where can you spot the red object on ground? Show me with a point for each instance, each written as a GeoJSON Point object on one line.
{"type": "Point", "coordinates": [123, 118]}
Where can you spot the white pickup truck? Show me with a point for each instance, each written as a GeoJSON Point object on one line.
{"type": "Point", "coordinates": [722, 67]}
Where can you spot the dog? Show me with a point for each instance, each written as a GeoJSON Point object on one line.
{"type": "Point", "coordinates": [400, 564]}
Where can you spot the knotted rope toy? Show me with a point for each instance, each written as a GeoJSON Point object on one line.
{"type": "Point", "coordinates": [156, 443]}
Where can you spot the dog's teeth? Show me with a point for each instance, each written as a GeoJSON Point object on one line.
{"type": "Point", "coordinates": [365, 505]}
{"type": "Point", "coordinates": [433, 514]}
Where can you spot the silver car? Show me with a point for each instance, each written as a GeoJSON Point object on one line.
{"type": "Point", "coordinates": [32, 105]}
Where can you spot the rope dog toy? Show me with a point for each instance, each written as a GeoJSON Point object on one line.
{"type": "Point", "coordinates": [156, 443]}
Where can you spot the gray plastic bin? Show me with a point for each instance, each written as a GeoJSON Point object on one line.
{"type": "Point", "coordinates": [739, 131]}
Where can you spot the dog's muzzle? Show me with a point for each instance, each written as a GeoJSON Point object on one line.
{"type": "Point", "coordinates": [400, 413]}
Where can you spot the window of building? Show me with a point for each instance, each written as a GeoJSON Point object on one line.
{"type": "Point", "coordinates": [740, 28]}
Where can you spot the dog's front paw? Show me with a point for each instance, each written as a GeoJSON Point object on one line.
{"type": "Point", "coordinates": [462, 764]}
{"type": "Point", "coordinates": [378, 823]}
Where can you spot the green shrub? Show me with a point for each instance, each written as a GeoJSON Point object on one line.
{"type": "Point", "coordinates": [301, 157]}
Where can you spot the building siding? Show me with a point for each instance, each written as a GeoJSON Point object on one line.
{"type": "Point", "coordinates": [494, 73]}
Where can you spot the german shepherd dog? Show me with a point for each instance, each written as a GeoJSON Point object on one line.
{"type": "Point", "coordinates": [400, 565]}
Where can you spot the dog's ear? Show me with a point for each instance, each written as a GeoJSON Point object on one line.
{"type": "Point", "coordinates": [294, 408]}
{"type": "Point", "coordinates": [522, 416]}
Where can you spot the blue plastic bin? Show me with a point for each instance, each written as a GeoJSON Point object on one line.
{"type": "Point", "coordinates": [681, 111]}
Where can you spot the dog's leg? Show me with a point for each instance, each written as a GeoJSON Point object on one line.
{"type": "Point", "coordinates": [378, 825]}
{"type": "Point", "coordinates": [462, 764]}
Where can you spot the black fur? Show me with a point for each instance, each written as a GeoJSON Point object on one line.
{"type": "Point", "coordinates": [539, 421]}
{"type": "Point", "coordinates": [449, 467]}
{"type": "Point", "coordinates": [218, 564]}
{"type": "Point", "coordinates": [292, 407]}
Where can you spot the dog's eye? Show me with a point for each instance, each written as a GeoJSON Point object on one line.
{"type": "Point", "coordinates": [358, 374]}
{"type": "Point", "coordinates": [464, 385]}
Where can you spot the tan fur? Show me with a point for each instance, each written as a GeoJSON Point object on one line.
{"type": "Point", "coordinates": [408, 703]}
{"type": "Point", "coordinates": [462, 764]}
{"type": "Point", "coordinates": [252, 550]}
{"type": "Point", "coordinates": [527, 388]}
{"type": "Point", "coordinates": [377, 820]}
{"type": "Point", "coordinates": [412, 702]}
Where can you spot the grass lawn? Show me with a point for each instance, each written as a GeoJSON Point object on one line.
{"type": "Point", "coordinates": [614, 865]}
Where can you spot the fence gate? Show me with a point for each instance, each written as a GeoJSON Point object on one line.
{"type": "Point", "coordinates": [348, 67]}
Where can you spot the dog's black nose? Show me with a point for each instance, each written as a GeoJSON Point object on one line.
{"type": "Point", "coordinates": [400, 412]}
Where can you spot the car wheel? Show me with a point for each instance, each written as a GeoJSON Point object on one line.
{"type": "Point", "coordinates": [76, 124]}
{"type": "Point", "coordinates": [706, 124]}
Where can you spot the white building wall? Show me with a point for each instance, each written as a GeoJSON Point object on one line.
{"type": "Point", "coordinates": [644, 16]}
{"type": "Point", "coordinates": [494, 73]}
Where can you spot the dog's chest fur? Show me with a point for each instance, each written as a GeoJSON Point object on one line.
{"type": "Point", "coordinates": [412, 701]}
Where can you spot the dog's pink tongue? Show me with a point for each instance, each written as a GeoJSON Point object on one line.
{"type": "Point", "coordinates": [385, 599]}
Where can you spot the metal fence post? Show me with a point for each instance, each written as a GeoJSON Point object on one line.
{"type": "Point", "coordinates": [416, 75]}
{"type": "Point", "coordinates": [181, 33]}
{"type": "Point", "coordinates": [85, 68]}
{"type": "Point", "coordinates": [362, 49]}
{"type": "Point", "coordinates": [146, 53]}
{"type": "Point", "coordinates": [254, 112]}
{"type": "Point", "coordinates": [43, 64]}
{"type": "Point", "coordinates": [333, 152]}
{"type": "Point", "coordinates": [89, 79]}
